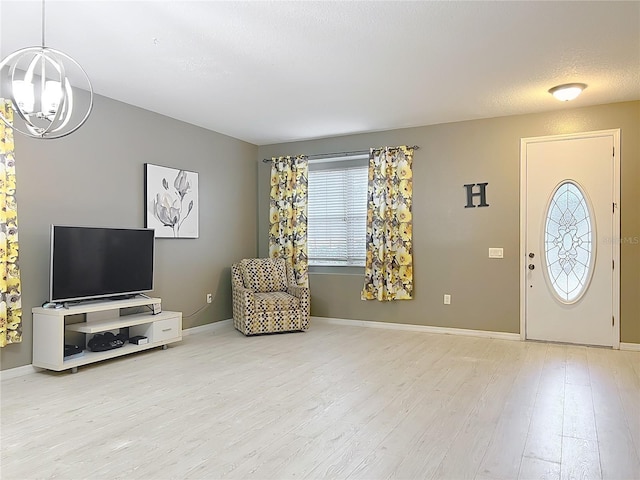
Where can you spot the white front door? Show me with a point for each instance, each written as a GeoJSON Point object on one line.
{"type": "Point", "coordinates": [569, 221]}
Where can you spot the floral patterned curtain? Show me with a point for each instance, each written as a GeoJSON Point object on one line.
{"type": "Point", "coordinates": [288, 214]}
{"type": "Point", "coordinates": [389, 263]}
{"type": "Point", "coordinates": [10, 302]}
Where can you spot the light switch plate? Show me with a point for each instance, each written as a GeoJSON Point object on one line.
{"type": "Point", "coordinates": [496, 253]}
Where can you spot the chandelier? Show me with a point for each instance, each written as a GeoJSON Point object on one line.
{"type": "Point", "coordinates": [37, 81]}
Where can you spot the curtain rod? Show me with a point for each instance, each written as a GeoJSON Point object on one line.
{"type": "Point", "coordinates": [318, 156]}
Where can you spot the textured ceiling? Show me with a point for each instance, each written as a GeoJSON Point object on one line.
{"type": "Point", "coordinates": [274, 71]}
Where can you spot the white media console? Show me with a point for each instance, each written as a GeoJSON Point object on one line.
{"type": "Point", "coordinates": [53, 326]}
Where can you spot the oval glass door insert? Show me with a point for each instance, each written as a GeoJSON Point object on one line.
{"type": "Point", "coordinates": [569, 236]}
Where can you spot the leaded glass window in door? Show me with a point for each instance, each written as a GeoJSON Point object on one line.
{"type": "Point", "coordinates": [569, 242]}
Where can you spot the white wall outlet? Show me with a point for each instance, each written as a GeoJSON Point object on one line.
{"type": "Point", "coordinates": [447, 299]}
{"type": "Point", "coordinates": [496, 253]}
{"type": "Point", "coordinates": [209, 298]}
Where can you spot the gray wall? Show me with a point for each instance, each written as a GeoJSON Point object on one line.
{"type": "Point", "coordinates": [450, 242]}
{"type": "Point", "coordinates": [95, 177]}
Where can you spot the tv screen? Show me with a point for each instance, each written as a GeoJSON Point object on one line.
{"type": "Point", "coordinates": [90, 262]}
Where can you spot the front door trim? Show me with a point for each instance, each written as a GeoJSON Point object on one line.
{"type": "Point", "coordinates": [615, 240]}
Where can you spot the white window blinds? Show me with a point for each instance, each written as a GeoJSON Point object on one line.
{"type": "Point", "coordinates": [337, 212]}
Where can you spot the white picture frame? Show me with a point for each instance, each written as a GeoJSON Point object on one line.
{"type": "Point", "coordinates": [171, 201]}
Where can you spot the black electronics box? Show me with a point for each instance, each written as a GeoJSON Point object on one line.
{"type": "Point", "coordinates": [139, 340]}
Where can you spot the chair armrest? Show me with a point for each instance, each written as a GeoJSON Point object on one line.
{"type": "Point", "coordinates": [244, 303]}
{"type": "Point", "coordinates": [303, 294]}
{"type": "Point", "coordinates": [297, 291]}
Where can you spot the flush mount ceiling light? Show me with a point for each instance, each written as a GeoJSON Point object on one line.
{"type": "Point", "coordinates": [568, 91]}
{"type": "Point", "coordinates": [38, 81]}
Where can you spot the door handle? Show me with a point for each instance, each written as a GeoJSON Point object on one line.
{"type": "Point", "coordinates": [531, 255]}
{"type": "Point", "coordinates": [532, 266]}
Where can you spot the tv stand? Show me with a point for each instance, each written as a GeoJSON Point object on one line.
{"type": "Point", "coordinates": [51, 326]}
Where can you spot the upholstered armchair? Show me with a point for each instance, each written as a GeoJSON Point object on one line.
{"type": "Point", "coordinates": [265, 297]}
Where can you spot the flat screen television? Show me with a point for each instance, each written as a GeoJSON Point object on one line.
{"type": "Point", "coordinates": [92, 262]}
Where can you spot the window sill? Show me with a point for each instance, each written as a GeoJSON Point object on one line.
{"type": "Point", "coordinates": [336, 270]}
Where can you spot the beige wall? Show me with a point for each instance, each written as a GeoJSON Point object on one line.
{"type": "Point", "coordinates": [95, 177]}
{"type": "Point", "coordinates": [450, 242]}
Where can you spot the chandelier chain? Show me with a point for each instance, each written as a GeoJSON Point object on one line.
{"type": "Point", "coordinates": [42, 23]}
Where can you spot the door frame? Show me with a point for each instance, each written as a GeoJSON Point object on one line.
{"type": "Point", "coordinates": [615, 240]}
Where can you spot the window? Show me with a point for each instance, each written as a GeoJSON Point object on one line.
{"type": "Point", "coordinates": [337, 212]}
{"type": "Point", "coordinates": [569, 244]}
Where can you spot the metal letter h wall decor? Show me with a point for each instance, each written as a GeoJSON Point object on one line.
{"type": "Point", "coordinates": [471, 194]}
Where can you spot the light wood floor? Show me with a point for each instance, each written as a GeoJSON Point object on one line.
{"type": "Point", "coordinates": [334, 402]}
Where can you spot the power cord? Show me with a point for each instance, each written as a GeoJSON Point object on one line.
{"type": "Point", "coordinates": [204, 307]}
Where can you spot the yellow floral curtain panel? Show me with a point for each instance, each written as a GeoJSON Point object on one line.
{"type": "Point", "coordinates": [288, 214]}
{"type": "Point", "coordinates": [389, 263]}
{"type": "Point", "coordinates": [10, 303]}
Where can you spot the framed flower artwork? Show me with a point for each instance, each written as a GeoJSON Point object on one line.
{"type": "Point", "coordinates": [171, 201]}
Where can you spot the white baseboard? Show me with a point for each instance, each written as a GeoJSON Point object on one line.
{"type": "Point", "coordinates": [212, 327]}
{"type": "Point", "coordinates": [634, 347]}
{"type": "Point", "coordinates": [18, 372]}
{"type": "Point", "coordinates": [209, 327]}
{"type": "Point", "coordinates": [420, 328]}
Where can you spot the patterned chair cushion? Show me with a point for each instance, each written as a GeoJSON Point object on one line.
{"type": "Point", "coordinates": [264, 274]}
{"type": "Point", "coordinates": [276, 301]}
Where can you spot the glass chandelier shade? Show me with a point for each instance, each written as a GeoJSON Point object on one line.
{"type": "Point", "coordinates": [37, 81]}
